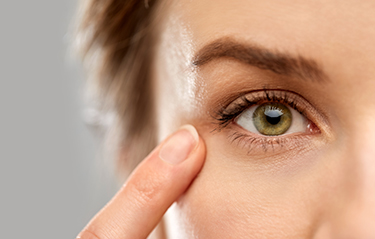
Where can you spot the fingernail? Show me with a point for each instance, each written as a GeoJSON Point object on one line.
{"type": "Point", "coordinates": [179, 145]}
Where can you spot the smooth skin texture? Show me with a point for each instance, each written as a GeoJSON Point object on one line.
{"type": "Point", "coordinates": [156, 183]}
{"type": "Point", "coordinates": [319, 185]}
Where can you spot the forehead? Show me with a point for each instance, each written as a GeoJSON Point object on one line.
{"type": "Point", "coordinates": [286, 20]}
{"type": "Point", "coordinates": [315, 28]}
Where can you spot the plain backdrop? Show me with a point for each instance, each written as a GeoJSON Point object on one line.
{"type": "Point", "coordinates": [52, 177]}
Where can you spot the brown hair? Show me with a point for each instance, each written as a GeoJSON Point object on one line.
{"type": "Point", "coordinates": [116, 44]}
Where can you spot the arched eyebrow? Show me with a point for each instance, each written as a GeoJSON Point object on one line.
{"type": "Point", "coordinates": [261, 57]}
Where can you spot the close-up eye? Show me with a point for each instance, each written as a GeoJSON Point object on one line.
{"type": "Point", "coordinates": [268, 117]}
{"type": "Point", "coordinates": [272, 119]}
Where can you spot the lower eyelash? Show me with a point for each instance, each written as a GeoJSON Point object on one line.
{"type": "Point", "coordinates": [249, 142]}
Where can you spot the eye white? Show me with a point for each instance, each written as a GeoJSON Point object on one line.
{"type": "Point", "coordinates": [245, 120]}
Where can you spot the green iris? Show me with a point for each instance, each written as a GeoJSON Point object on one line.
{"type": "Point", "coordinates": [272, 119]}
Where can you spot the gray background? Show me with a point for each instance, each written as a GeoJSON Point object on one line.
{"type": "Point", "coordinates": [51, 175]}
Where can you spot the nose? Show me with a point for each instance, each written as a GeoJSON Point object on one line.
{"type": "Point", "coordinates": [358, 212]}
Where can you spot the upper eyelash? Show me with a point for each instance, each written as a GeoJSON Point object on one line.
{"type": "Point", "coordinates": [223, 117]}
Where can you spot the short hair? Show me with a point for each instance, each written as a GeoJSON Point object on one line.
{"type": "Point", "coordinates": [115, 39]}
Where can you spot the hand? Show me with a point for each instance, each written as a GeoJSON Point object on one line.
{"type": "Point", "coordinates": [154, 185]}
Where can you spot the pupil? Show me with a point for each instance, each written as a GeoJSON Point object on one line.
{"type": "Point", "coordinates": [273, 117]}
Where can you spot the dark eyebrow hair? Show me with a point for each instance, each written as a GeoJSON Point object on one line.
{"type": "Point", "coordinates": [280, 63]}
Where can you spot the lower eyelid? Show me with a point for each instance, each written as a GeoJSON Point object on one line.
{"type": "Point", "coordinates": [254, 144]}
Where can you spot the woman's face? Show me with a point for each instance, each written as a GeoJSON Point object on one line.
{"type": "Point", "coordinates": [282, 92]}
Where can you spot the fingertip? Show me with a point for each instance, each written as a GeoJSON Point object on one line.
{"type": "Point", "coordinates": [193, 131]}
{"type": "Point", "coordinates": [179, 146]}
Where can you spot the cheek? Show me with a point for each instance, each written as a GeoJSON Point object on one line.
{"type": "Point", "coordinates": [219, 205]}
{"type": "Point", "coordinates": [234, 200]}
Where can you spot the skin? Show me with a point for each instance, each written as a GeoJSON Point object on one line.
{"type": "Point", "coordinates": [319, 185]}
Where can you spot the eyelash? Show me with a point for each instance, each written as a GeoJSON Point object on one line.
{"type": "Point", "coordinates": [224, 117]}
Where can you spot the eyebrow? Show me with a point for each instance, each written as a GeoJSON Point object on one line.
{"type": "Point", "coordinates": [263, 58]}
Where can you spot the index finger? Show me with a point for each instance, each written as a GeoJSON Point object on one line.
{"type": "Point", "coordinates": [154, 185]}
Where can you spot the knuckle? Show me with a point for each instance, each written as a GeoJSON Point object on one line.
{"type": "Point", "coordinates": [86, 234]}
{"type": "Point", "coordinates": [143, 193]}
{"type": "Point", "coordinates": [146, 192]}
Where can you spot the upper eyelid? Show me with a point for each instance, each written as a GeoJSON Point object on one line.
{"type": "Point", "coordinates": [269, 95]}
{"type": "Point", "coordinates": [255, 97]}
